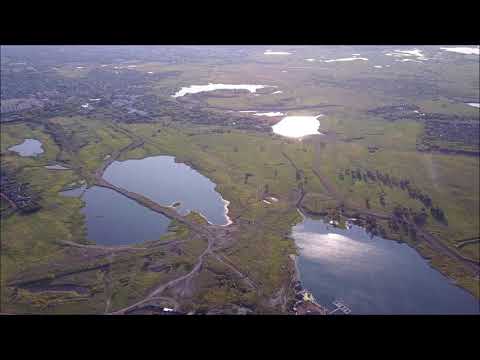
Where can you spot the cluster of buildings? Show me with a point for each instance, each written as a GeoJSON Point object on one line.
{"type": "Point", "coordinates": [17, 194]}
{"type": "Point", "coordinates": [305, 303]}
{"type": "Point", "coordinates": [16, 105]}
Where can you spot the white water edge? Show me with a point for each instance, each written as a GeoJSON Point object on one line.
{"type": "Point", "coordinates": [297, 126]}
{"type": "Point", "coordinates": [346, 59]}
{"type": "Point", "coordinates": [270, 52]}
{"type": "Point", "coordinates": [194, 89]}
{"type": "Point", "coordinates": [463, 50]}
{"type": "Point", "coordinates": [270, 114]}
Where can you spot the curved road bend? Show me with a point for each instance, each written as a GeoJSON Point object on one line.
{"type": "Point", "coordinates": [154, 294]}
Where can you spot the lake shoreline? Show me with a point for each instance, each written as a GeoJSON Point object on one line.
{"type": "Point", "coordinates": [447, 281]}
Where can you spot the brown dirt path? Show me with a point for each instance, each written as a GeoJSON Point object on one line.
{"type": "Point", "coordinates": [8, 200]}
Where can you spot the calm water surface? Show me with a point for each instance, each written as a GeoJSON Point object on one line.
{"type": "Point", "coordinates": [56, 167]}
{"type": "Point", "coordinates": [297, 126]}
{"type": "Point", "coordinates": [164, 181]}
{"type": "Point", "coordinates": [373, 275]}
{"type": "Point", "coordinates": [29, 147]}
{"type": "Point", "coordinates": [113, 219]}
{"type": "Point", "coordinates": [195, 89]}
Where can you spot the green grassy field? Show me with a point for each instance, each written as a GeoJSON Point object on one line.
{"type": "Point", "coordinates": [60, 217]}
{"type": "Point", "coordinates": [261, 237]}
{"type": "Point", "coordinates": [225, 158]}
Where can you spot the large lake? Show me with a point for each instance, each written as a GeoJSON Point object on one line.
{"type": "Point", "coordinates": [373, 275]}
{"type": "Point", "coordinates": [167, 182]}
{"type": "Point", "coordinates": [113, 219]}
{"type": "Point", "coordinates": [29, 147]}
{"type": "Point", "coordinates": [195, 89]}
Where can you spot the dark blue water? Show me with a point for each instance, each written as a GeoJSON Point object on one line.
{"type": "Point", "coordinates": [29, 147]}
{"type": "Point", "coordinates": [164, 181]}
{"type": "Point", "coordinates": [373, 275]}
{"type": "Point", "coordinates": [113, 219]}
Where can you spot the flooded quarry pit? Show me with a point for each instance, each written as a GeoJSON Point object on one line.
{"type": "Point", "coordinates": [113, 219]}
{"type": "Point", "coordinates": [169, 183]}
{"type": "Point", "coordinates": [372, 275]}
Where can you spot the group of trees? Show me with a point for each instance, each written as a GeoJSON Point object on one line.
{"type": "Point", "coordinates": [372, 227]}
{"type": "Point", "coordinates": [247, 175]}
{"type": "Point", "coordinates": [438, 215]}
{"type": "Point", "coordinates": [451, 136]}
{"type": "Point", "coordinates": [25, 200]}
{"type": "Point", "coordinates": [401, 221]}
{"type": "Point", "coordinates": [404, 219]}
{"type": "Point", "coordinates": [407, 217]}
{"type": "Point", "coordinates": [385, 179]}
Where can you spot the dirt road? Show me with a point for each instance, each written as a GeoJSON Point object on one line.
{"type": "Point", "coordinates": [432, 240]}
{"type": "Point", "coordinates": [213, 233]}
{"type": "Point", "coordinates": [8, 200]}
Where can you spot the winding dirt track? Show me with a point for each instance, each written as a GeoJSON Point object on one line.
{"type": "Point", "coordinates": [167, 211]}
{"type": "Point", "coordinates": [8, 200]}
{"type": "Point", "coordinates": [210, 232]}
{"type": "Point", "coordinates": [105, 248]}
{"type": "Point", "coordinates": [236, 271]}
{"type": "Point", "coordinates": [439, 245]}
{"type": "Point", "coordinates": [154, 294]}
{"type": "Point", "coordinates": [464, 242]}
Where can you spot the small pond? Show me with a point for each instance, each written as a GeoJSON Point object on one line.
{"type": "Point", "coordinates": [297, 126]}
{"type": "Point", "coordinates": [29, 147]}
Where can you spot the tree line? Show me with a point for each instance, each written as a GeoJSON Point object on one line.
{"type": "Point", "coordinates": [377, 177]}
